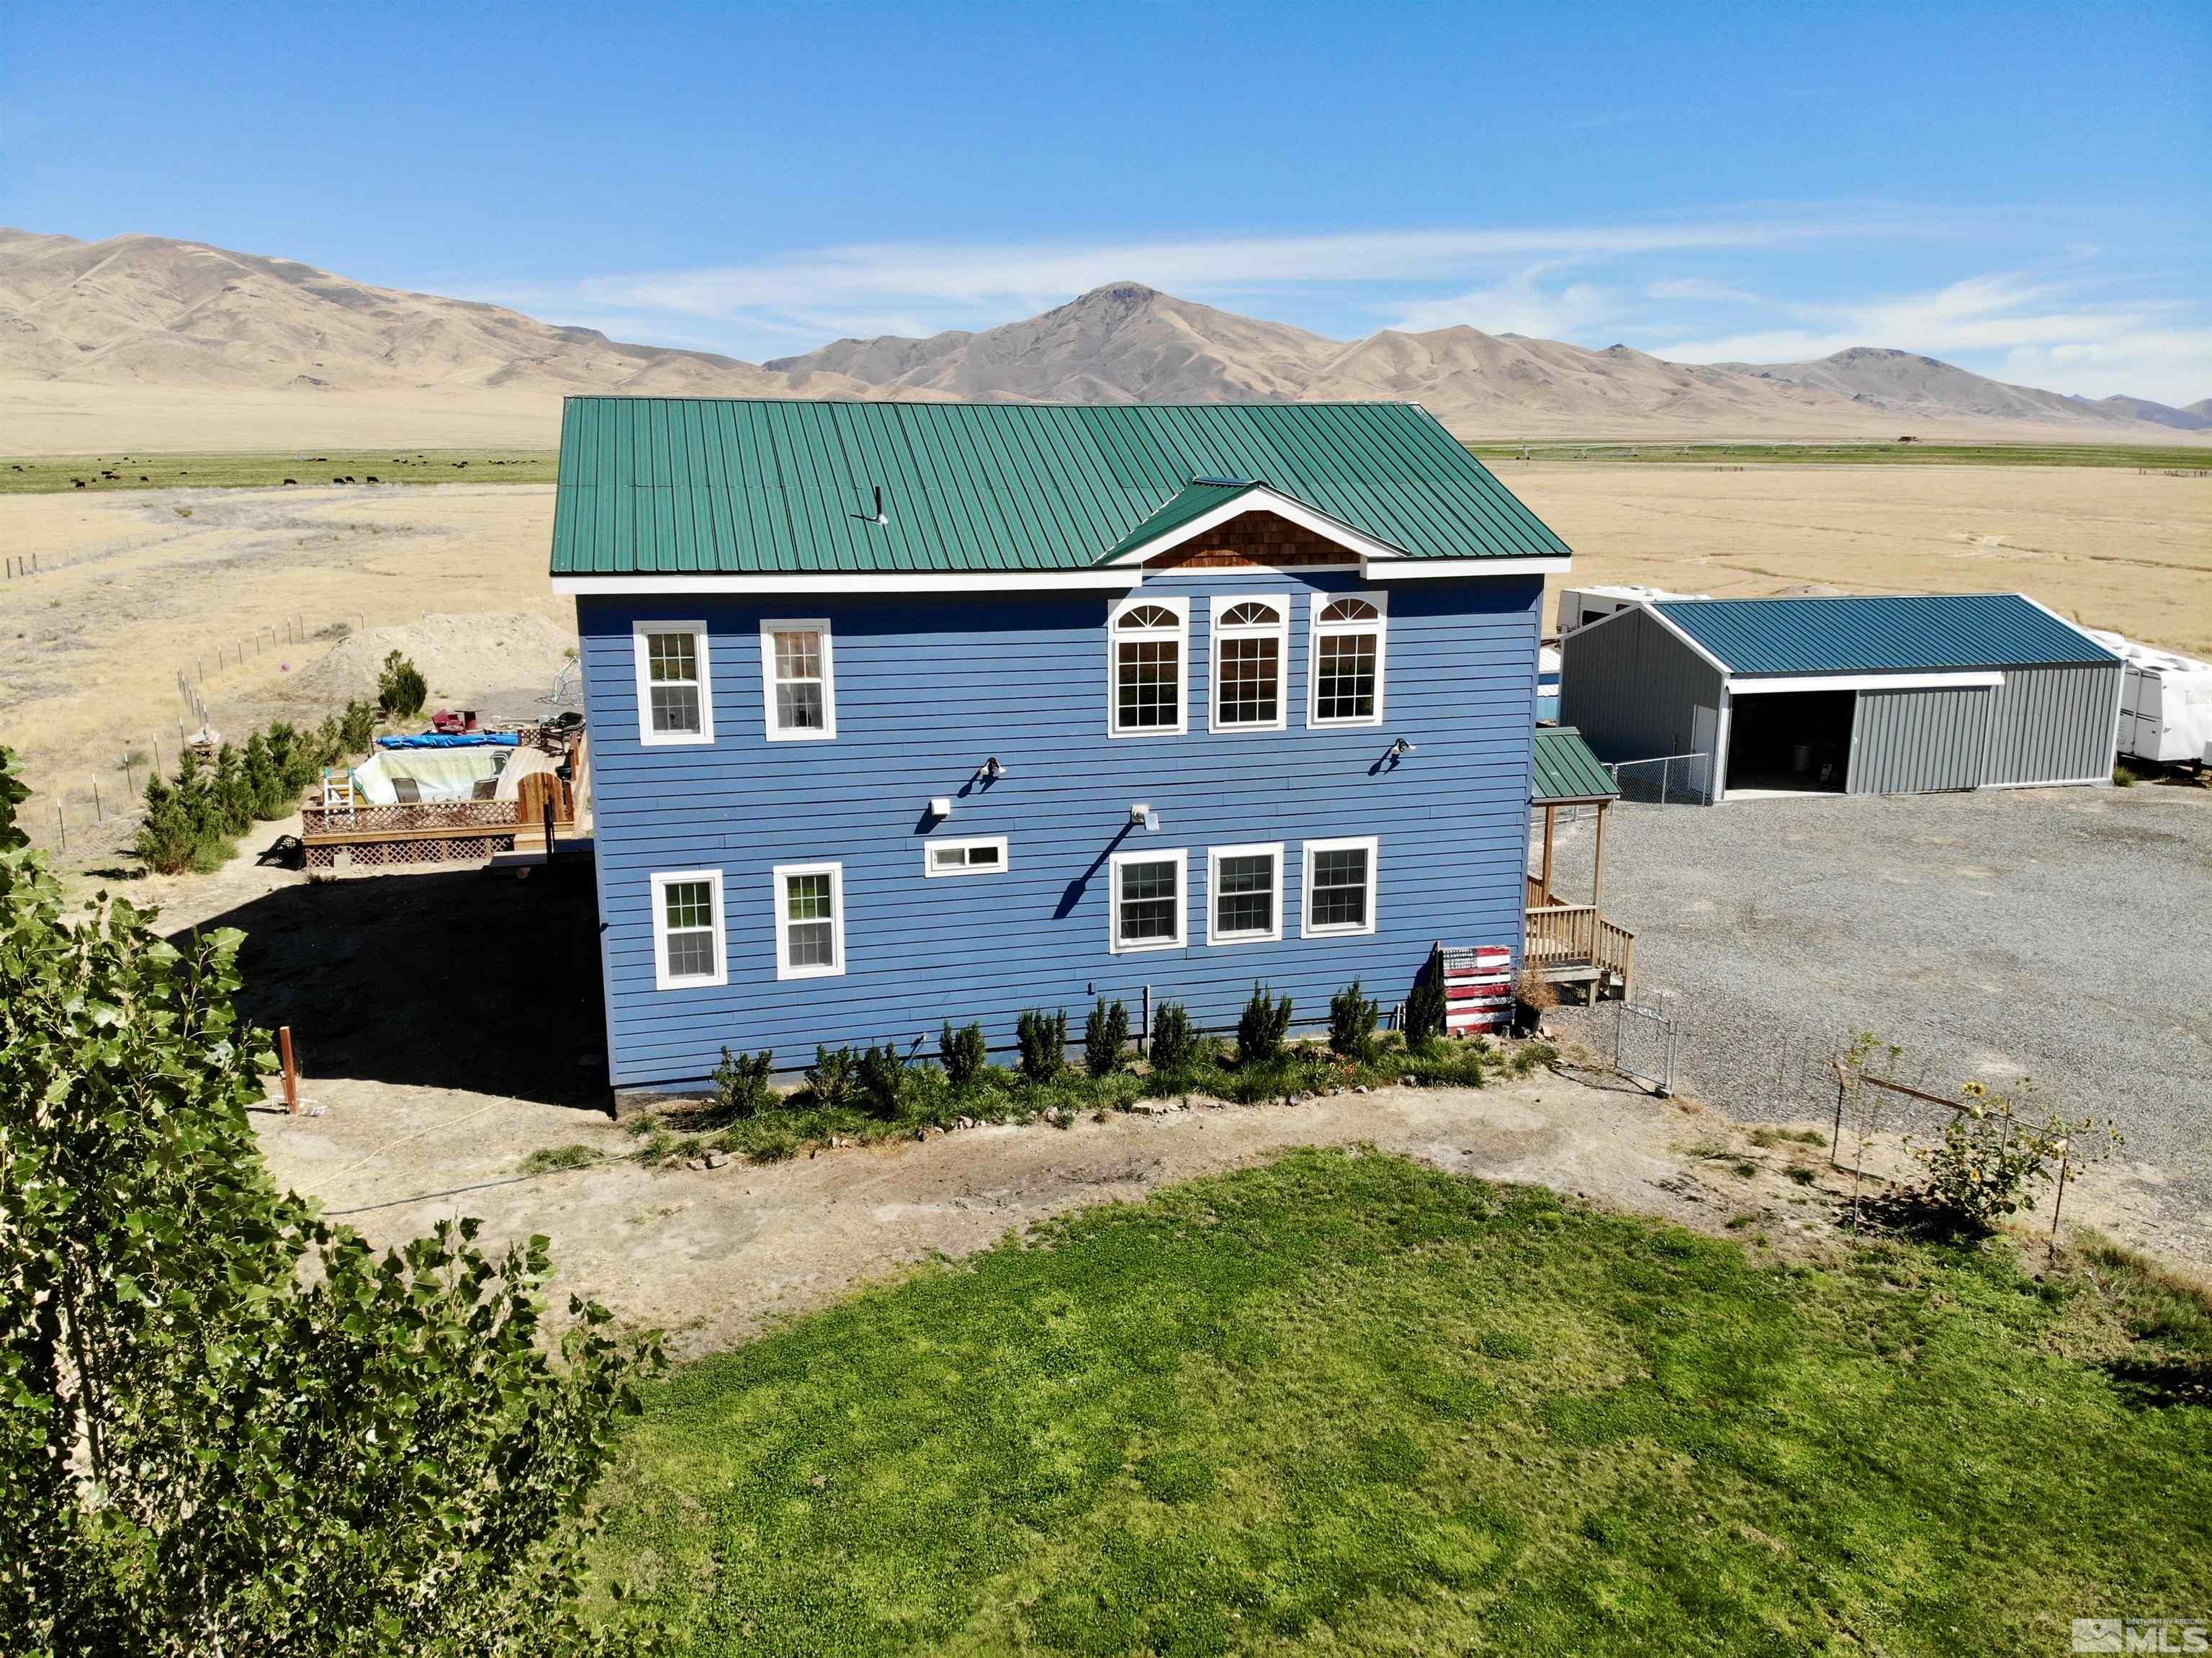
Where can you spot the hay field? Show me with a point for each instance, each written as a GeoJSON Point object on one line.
{"type": "Point", "coordinates": [138, 584]}
{"type": "Point", "coordinates": [2105, 545]}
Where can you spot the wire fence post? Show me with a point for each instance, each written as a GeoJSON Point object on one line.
{"type": "Point", "coordinates": [2058, 1200]}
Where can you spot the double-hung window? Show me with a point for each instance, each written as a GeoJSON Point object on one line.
{"type": "Point", "coordinates": [1248, 659]}
{"type": "Point", "coordinates": [1149, 640]}
{"type": "Point", "coordinates": [1147, 902]}
{"type": "Point", "coordinates": [1344, 669]}
{"type": "Point", "coordinates": [1340, 886]}
{"type": "Point", "coordinates": [675, 687]}
{"type": "Point", "coordinates": [1244, 894]}
{"type": "Point", "coordinates": [687, 930]}
{"type": "Point", "coordinates": [810, 920]}
{"type": "Point", "coordinates": [797, 681]}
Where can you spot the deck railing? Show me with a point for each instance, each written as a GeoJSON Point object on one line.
{"type": "Point", "coordinates": [1566, 936]}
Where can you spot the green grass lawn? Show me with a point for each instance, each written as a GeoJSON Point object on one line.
{"type": "Point", "coordinates": [44, 474]}
{"type": "Point", "coordinates": [1349, 1403]}
{"type": "Point", "coordinates": [2157, 457]}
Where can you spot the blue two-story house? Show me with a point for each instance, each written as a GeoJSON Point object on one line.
{"type": "Point", "coordinates": [908, 712]}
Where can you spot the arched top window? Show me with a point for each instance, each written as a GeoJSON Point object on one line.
{"type": "Point", "coordinates": [1251, 614]}
{"type": "Point", "coordinates": [1149, 653]}
{"type": "Point", "coordinates": [1346, 680]}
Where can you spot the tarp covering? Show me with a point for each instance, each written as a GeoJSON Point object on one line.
{"type": "Point", "coordinates": [436, 776]}
{"type": "Point", "coordinates": [457, 740]}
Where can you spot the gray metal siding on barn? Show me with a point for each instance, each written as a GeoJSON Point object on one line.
{"type": "Point", "coordinates": [1636, 691]}
{"type": "Point", "coordinates": [2053, 725]}
{"type": "Point", "coordinates": [1918, 741]}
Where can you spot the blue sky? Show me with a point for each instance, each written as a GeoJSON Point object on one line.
{"type": "Point", "coordinates": [2025, 191]}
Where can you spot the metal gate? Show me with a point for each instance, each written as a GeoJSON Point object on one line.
{"type": "Point", "coordinates": [1644, 1046]}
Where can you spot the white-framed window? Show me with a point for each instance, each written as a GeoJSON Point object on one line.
{"type": "Point", "coordinates": [810, 920]}
{"type": "Point", "coordinates": [798, 684]}
{"type": "Point", "coordinates": [1244, 894]}
{"type": "Point", "coordinates": [687, 930]}
{"type": "Point", "coordinates": [1250, 657]}
{"type": "Point", "coordinates": [675, 683]}
{"type": "Point", "coordinates": [984, 855]}
{"type": "Point", "coordinates": [1343, 666]}
{"type": "Point", "coordinates": [1339, 887]}
{"type": "Point", "coordinates": [1148, 655]}
{"type": "Point", "coordinates": [1146, 901]}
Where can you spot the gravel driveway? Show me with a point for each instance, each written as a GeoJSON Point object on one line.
{"type": "Point", "coordinates": [2063, 935]}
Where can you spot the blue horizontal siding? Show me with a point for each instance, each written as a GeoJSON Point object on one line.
{"type": "Point", "coordinates": [926, 688]}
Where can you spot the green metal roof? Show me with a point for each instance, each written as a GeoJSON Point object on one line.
{"type": "Point", "coordinates": [1566, 770]}
{"type": "Point", "coordinates": [665, 485]}
{"type": "Point", "coordinates": [1880, 633]}
{"type": "Point", "coordinates": [1201, 498]}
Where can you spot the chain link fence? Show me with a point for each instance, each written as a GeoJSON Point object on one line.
{"type": "Point", "coordinates": [1666, 779]}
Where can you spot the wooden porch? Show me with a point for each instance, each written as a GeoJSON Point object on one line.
{"type": "Point", "coordinates": [1570, 942]}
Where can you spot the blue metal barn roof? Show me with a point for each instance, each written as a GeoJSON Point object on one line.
{"type": "Point", "coordinates": [671, 486]}
{"type": "Point", "coordinates": [1879, 633]}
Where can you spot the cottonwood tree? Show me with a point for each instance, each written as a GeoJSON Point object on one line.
{"type": "Point", "coordinates": [227, 1426]}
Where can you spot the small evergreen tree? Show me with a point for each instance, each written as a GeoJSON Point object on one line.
{"type": "Point", "coordinates": [1044, 1040]}
{"type": "Point", "coordinates": [233, 799]}
{"type": "Point", "coordinates": [883, 1080]}
{"type": "Point", "coordinates": [357, 728]}
{"type": "Point", "coordinates": [1261, 1028]}
{"type": "Point", "coordinates": [1105, 1033]}
{"type": "Point", "coordinates": [829, 1080]}
{"type": "Point", "coordinates": [1352, 1023]}
{"type": "Point", "coordinates": [401, 690]}
{"type": "Point", "coordinates": [962, 1053]}
{"type": "Point", "coordinates": [1175, 1044]}
{"type": "Point", "coordinates": [741, 1087]}
{"type": "Point", "coordinates": [1426, 1007]}
{"type": "Point", "coordinates": [263, 781]}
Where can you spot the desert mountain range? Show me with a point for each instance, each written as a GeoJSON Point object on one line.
{"type": "Point", "coordinates": [142, 340]}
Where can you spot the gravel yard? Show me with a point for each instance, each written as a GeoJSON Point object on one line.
{"type": "Point", "coordinates": [2058, 935]}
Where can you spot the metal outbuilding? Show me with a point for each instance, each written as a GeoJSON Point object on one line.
{"type": "Point", "coordinates": [1884, 694]}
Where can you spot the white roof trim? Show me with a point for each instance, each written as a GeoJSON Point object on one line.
{"type": "Point", "coordinates": [1963, 679]}
{"type": "Point", "coordinates": [1116, 580]}
{"type": "Point", "coordinates": [1408, 570]}
{"type": "Point", "coordinates": [1681, 633]}
{"type": "Point", "coordinates": [1259, 498]}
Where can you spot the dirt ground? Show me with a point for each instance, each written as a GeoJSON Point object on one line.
{"type": "Point", "coordinates": [449, 1023]}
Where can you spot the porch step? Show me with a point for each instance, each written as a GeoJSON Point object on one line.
{"type": "Point", "coordinates": [1477, 988]}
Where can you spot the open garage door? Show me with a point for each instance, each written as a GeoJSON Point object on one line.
{"type": "Point", "coordinates": [1919, 741]}
{"type": "Point", "coordinates": [1790, 742]}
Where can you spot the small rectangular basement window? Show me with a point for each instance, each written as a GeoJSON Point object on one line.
{"type": "Point", "coordinates": [985, 855]}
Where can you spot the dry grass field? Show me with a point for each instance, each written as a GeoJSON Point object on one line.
{"type": "Point", "coordinates": [138, 584]}
{"type": "Point", "coordinates": [2107, 546]}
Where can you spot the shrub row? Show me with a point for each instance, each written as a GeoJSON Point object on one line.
{"type": "Point", "coordinates": [193, 820]}
{"type": "Point", "coordinates": [876, 1091]}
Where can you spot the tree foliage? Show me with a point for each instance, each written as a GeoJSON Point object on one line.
{"type": "Point", "coordinates": [226, 1425]}
{"type": "Point", "coordinates": [1105, 1033]}
{"type": "Point", "coordinates": [1042, 1038]}
{"type": "Point", "coordinates": [1174, 1043]}
{"type": "Point", "coordinates": [1352, 1019]}
{"type": "Point", "coordinates": [1262, 1027]}
{"type": "Point", "coordinates": [1426, 1007]}
{"type": "Point", "coordinates": [400, 689]}
{"type": "Point", "coordinates": [193, 820]}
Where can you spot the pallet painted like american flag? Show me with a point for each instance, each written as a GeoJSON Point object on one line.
{"type": "Point", "coordinates": [1478, 988]}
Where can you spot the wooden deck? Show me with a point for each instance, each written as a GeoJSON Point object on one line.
{"type": "Point", "coordinates": [436, 832]}
{"type": "Point", "coordinates": [1575, 944]}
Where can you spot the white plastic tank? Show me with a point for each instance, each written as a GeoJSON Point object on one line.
{"type": "Point", "coordinates": [2166, 702]}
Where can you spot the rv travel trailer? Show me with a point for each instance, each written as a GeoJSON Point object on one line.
{"type": "Point", "coordinates": [2166, 703]}
{"type": "Point", "coordinates": [1580, 606]}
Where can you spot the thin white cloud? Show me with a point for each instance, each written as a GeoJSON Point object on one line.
{"type": "Point", "coordinates": [1698, 289]}
{"type": "Point", "coordinates": [1519, 305]}
{"type": "Point", "coordinates": [2034, 333]}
